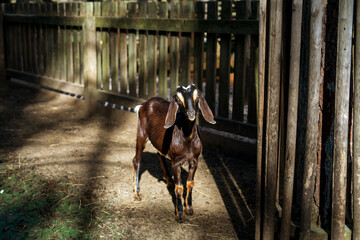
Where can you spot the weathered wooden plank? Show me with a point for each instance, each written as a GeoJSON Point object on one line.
{"type": "Point", "coordinates": [260, 176]}
{"type": "Point", "coordinates": [105, 58]}
{"type": "Point", "coordinates": [163, 53]}
{"type": "Point", "coordinates": [50, 43]}
{"type": "Point", "coordinates": [248, 26]}
{"type": "Point", "coordinates": [24, 41]}
{"type": "Point", "coordinates": [9, 36]}
{"type": "Point", "coordinates": [62, 42]}
{"type": "Point", "coordinates": [211, 59]}
{"type": "Point", "coordinates": [199, 48]}
{"type": "Point", "coordinates": [239, 73]}
{"type": "Point", "coordinates": [69, 45]}
{"type": "Point", "coordinates": [291, 119]}
{"type": "Point", "coordinates": [132, 51]}
{"type": "Point", "coordinates": [76, 46]}
{"type": "Point", "coordinates": [273, 119]}
{"type": "Point", "coordinates": [47, 20]}
{"type": "Point", "coordinates": [2, 52]}
{"type": "Point", "coordinates": [341, 124]}
{"type": "Point", "coordinates": [31, 33]}
{"type": "Point", "coordinates": [356, 181]}
{"type": "Point", "coordinates": [97, 13]}
{"type": "Point", "coordinates": [57, 43]}
{"type": "Point", "coordinates": [143, 73]}
{"type": "Point", "coordinates": [47, 82]}
{"type": "Point", "coordinates": [174, 49]}
{"type": "Point", "coordinates": [37, 41]}
{"type": "Point", "coordinates": [186, 13]}
{"type": "Point", "coordinates": [82, 13]}
{"type": "Point", "coordinates": [89, 73]}
{"type": "Point", "coordinates": [311, 150]}
{"type": "Point", "coordinates": [43, 43]}
{"type": "Point", "coordinates": [114, 52]}
{"type": "Point", "coordinates": [151, 51]}
{"type": "Point", "coordinates": [123, 52]}
{"type": "Point", "coordinates": [225, 56]}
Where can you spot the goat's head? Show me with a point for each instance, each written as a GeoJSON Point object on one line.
{"type": "Point", "coordinates": [188, 100]}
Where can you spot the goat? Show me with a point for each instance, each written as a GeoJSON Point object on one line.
{"type": "Point", "coordinates": [171, 128]}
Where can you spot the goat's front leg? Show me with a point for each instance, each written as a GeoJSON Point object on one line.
{"type": "Point", "coordinates": [178, 192]}
{"type": "Point", "coordinates": [189, 186]}
{"type": "Point", "coordinates": [140, 145]}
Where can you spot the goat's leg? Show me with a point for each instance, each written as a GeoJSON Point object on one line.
{"type": "Point", "coordinates": [178, 193]}
{"type": "Point", "coordinates": [140, 145]}
{"type": "Point", "coordinates": [189, 186]}
{"type": "Point", "coordinates": [169, 181]}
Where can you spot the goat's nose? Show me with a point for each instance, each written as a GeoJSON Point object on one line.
{"type": "Point", "coordinates": [191, 115]}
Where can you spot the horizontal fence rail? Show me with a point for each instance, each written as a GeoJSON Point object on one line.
{"type": "Point", "coordinates": [142, 50]}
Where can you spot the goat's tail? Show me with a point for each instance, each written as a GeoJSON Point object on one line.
{"type": "Point", "coordinates": [137, 108]}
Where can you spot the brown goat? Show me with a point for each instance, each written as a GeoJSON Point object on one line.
{"type": "Point", "coordinates": [172, 130]}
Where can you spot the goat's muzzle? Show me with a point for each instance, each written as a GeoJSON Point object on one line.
{"type": "Point", "coordinates": [191, 114]}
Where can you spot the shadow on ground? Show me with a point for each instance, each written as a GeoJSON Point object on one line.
{"type": "Point", "coordinates": [235, 181]}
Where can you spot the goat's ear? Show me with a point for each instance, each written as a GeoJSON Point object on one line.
{"type": "Point", "coordinates": [205, 110]}
{"type": "Point", "coordinates": [171, 114]}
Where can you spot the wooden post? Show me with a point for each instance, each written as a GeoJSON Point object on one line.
{"type": "Point", "coordinates": [356, 168]}
{"type": "Point", "coordinates": [342, 95]}
{"type": "Point", "coordinates": [163, 53]}
{"type": "Point", "coordinates": [292, 118]}
{"type": "Point", "coordinates": [260, 118]}
{"type": "Point", "coordinates": [2, 52]}
{"type": "Point", "coordinates": [312, 117]}
{"type": "Point", "coordinates": [272, 131]}
{"type": "Point", "coordinates": [90, 64]}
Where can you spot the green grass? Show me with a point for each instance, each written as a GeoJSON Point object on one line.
{"type": "Point", "coordinates": [32, 207]}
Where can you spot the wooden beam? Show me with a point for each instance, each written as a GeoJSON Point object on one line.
{"type": "Point", "coordinates": [341, 124]}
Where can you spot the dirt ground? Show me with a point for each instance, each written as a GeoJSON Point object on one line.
{"type": "Point", "coordinates": [45, 133]}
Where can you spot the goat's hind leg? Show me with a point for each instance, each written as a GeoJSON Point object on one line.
{"type": "Point", "coordinates": [140, 145]}
{"type": "Point", "coordinates": [169, 181]}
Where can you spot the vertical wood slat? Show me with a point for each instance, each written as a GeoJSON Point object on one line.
{"type": "Point", "coordinates": [31, 36]}
{"type": "Point", "coordinates": [132, 51]}
{"type": "Point", "coordinates": [50, 43]}
{"type": "Point", "coordinates": [261, 118]}
{"type": "Point", "coordinates": [25, 39]}
{"type": "Point", "coordinates": [123, 52]}
{"type": "Point", "coordinates": [62, 42]}
{"type": "Point", "coordinates": [225, 55]}
{"type": "Point", "coordinates": [356, 166]}
{"type": "Point", "coordinates": [76, 46]}
{"type": "Point", "coordinates": [292, 119]}
{"type": "Point", "coordinates": [163, 53]}
{"type": "Point", "coordinates": [174, 49]}
{"type": "Point", "coordinates": [239, 73]}
{"type": "Point", "coordinates": [20, 43]}
{"type": "Point", "coordinates": [44, 42]}
{"type": "Point", "coordinates": [342, 98]}
{"type": "Point", "coordinates": [312, 117]}
{"type": "Point", "coordinates": [8, 50]}
{"type": "Point", "coordinates": [2, 52]}
{"type": "Point", "coordinates": [90, 60]}
{"type": "Point", "coordinates": [57, 43]}
{"type": "Point", "coordinates": [69, 45]}
{"type": "Point", "coordinates": [211, 59]}
{"type": "Point", "coordinates": [37, 41]}
{"type": "Point", "coordinates": [97, 12]}
{"type": "Point", "coordinates": [199, 48]}
{"type": "Point", "coordinates": [143, 74]}
{"type": "Point", "coordinates": [105, 58]}
{"type": "Point", "coordinates": [185, 55]}
{"type": "Point", "coordinates": [114, 56]}
{"type": "Point", "coordinates": [151, 51]}
{"type": "Point", "coordinates": [273, 118]}
{"type": "Point", "coordinates": [82, 12]}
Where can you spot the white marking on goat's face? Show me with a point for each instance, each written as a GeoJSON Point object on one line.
{"type": "Point", "coordinates": [195, 95]}
{"type": "Point", "coordinates": [187, 88]}
{"type": "Point", "coordinates": [181, 97]}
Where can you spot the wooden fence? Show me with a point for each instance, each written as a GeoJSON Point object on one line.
{"type": "Point", "coordinates": [308, 126]}
{"type": "Point", "coordinates": [125, 52]}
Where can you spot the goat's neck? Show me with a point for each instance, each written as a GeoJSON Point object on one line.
{"type": "Point", "coordinates": [188, 128]}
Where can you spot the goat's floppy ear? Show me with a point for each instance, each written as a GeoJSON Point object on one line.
{"type": "Point", "coordinates": [171, 114]}
{"type": "Point", "coordinates": [205, 110]}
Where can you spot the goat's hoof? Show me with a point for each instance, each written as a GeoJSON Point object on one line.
{"type": "Point", "coordinates": [138, 197]}
{"type": "Point", "coordinates": [179, 219]}
{"type": "Point", "coordinates": [189, 212]}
